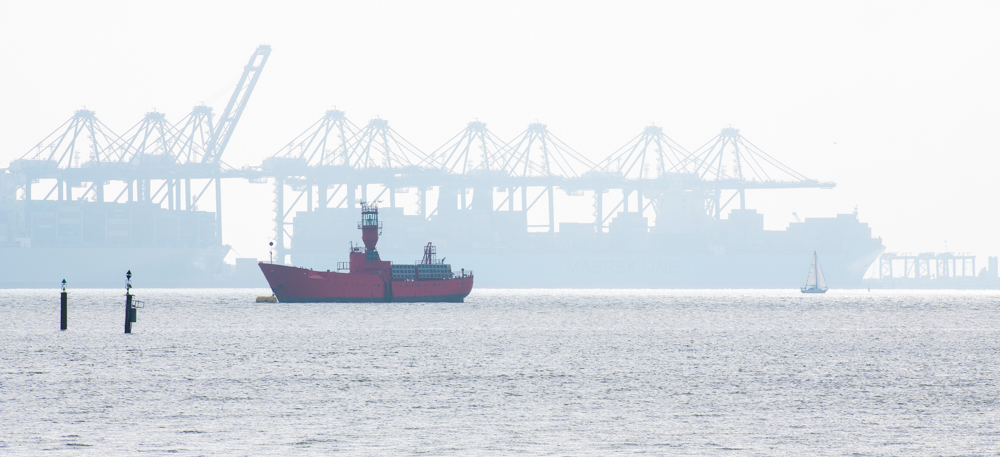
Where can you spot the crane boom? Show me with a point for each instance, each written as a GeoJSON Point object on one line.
{"type": "Point", "coordinates": [227, 122]}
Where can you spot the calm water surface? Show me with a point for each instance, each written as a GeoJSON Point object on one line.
{"type": "Point", "coordinates": [537, 372]}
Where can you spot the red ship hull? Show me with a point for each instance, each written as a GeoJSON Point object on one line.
{"type": "Point", "coordinates": [369, 278]}
{"type": "Point", "coordinates": [302, 285]}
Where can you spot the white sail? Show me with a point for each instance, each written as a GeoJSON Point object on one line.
{"type": "Point", "coordinates": [816, 283]}
{"type": "Point", "coordinates": [811, 280]}
{"type": "Point", "coordinates": [820, 281]}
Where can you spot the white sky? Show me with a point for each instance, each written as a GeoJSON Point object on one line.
{"type": "Point", "coordinates": [897, 102]}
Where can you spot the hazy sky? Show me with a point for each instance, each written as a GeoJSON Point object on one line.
{"type": "Point", "coordinates": [896, 102]}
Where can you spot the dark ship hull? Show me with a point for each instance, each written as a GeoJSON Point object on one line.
{"type": "Point", "coordinates": [734, 253]}
{"type": "Point", "coordinates": [105, 267]}
{"type": "Point", "coordinates": [665, 271]}
{"type": "Point", "coordinates": [93, 244]}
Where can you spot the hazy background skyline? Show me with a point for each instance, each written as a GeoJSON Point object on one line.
{"type": "Point", "coordinates": [893, 101]}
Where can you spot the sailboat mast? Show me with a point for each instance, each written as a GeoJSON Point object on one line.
{"type": "Point", "coordinates": [815, 271]}
{"type": "Point", "coordinates": [816, 268]}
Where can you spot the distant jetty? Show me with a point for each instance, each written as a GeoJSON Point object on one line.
{"type": "Point", "coordinates": [929, 270]}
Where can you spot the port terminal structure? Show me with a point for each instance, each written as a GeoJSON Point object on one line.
{"type": "Point", "coordinates": [154, 161]}
{"type": "Point", "coordinates": [335, 163]}
{"type": "Point", "coordinates": [87, 202]}
{"type": "Point", "coordinates": [477, 191]}
{"type": "Point", "coordinates": [928, 265]}
{"type": "Point", "coordinates": [931, 270]}
{"type": "Point", "coordinates": [660, 215]}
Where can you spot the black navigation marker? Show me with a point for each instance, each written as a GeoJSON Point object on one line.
{"type": "Point", "coordinates": [64, 312]}
{"type": "Point", "coordinates": [129, 311]}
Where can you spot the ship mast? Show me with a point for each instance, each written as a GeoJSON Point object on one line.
{"type": "Point", "coordinates": [430, 255]}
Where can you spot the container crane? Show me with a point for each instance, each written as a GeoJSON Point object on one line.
{"type": "Point", "coordinates": [237, 103]}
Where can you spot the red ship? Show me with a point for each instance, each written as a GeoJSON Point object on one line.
{"type": "Point", "coordinates": [368, 277]}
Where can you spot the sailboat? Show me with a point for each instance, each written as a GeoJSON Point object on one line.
{"type": "Point", "coordinates": [815, 284]}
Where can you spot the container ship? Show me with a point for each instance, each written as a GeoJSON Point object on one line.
{"type": "Point", "coordinates": [368, 278]}
{"type": "Point", "coordinates": [736, 253]}
{"type": "Point", "coordinates": [93, 244]}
